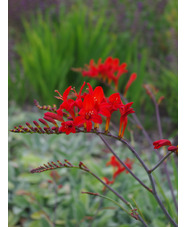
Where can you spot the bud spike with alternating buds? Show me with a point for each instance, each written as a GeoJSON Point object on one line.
{"type": "Point", "coordinates": [53, 163]}
{"type": "Point", "coordinates": [30, 126]}
{"type": "Point", "coordinates": [61, 164]}
{"type": "Point", "coordinates": [38, 126]}
{"type": "Point", "coordinates": [70, 164]}
{"type": "Point", "coordinates": [45, 107]}
{"type": "Point", "coordinates": [82, 166]}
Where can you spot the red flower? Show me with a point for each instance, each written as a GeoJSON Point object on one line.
{"type": "Point", "coordinates": [99, 100]}
{"type": "Point", "coordinates": [67, 127]}
{"type": "Point", "coordinates": [118, 171]}
{"type": "Point", "coordinates": [78, 101]}
{"type": "Point", "coordinates": [92, 70]}
{"type": "Point", "coordinates": [84, 109]}
{"type": "Point", "coordinates": [118, 167]}
{"type": "Point", "coordinates": [125, 110]}
{"type": "Point", "coordinates": [88, 114]}
{"type": "Point", "coordinates": [107, 181]}
{"type": "Point", "coordinates": [68, 104]}
{"type": "Point", "coordinates": [130, 81]}
{"type": "Point", "coordinates": [109, 70]}
{"type": "Point", "coordinates": [173, 148]}
{"type": "Point", "coordinates": [160, 143]}
{"type": "Point", "coordinates": [113, 104]}
{"type": "Point", "coordinates": [65, 94]}
{"type": "Point", "coordinates": [113, 162]}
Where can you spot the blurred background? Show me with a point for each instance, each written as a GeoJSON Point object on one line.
{"type": "Point", "coordinates": [47, 39]}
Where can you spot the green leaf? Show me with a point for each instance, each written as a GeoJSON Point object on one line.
{"type": "Point", "coordinates": [12, 219]}
{"type": "Point", "coordinates": [38, 215]}
{"type": "Point", "coordinates": [11, 186]}
{"type": "Point", "coordinates": [39, 223]}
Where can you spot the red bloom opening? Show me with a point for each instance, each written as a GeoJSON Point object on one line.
{"type": "Point", "coordinates": [109, 70]}
{"type": "Point", "coordinates": [88, 114]}
{"type": "Point", "coordinates": [118, 167]}
{"type": "Point", "coordinates": [160, 143]}
{"type": "Point", "coordinates": [84, 109]}
{"type": "Point", "coordinates": [125, 110]}
{"type": "Point", "coordinates": [173, 148]}
{"type": "Point", "coordinates": [113, 162]}
{"type": "Point", "coordinates": [67, 127]}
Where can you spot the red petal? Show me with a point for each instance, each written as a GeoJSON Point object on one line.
{"type": "Point", "coordinates": [81, 89]}
{"type": "Point", "coordinates": [66, 92]}
{"type": "Point", "coordinates": [159, 143]}
{"type": "Point", "coordinates": [79, 120]}
{"type": "Point", "coordinates": [98, 94]}
{"type": "Point", "coordinates": [172, 148]}
{"type": "Point", "coordinates": [88, 126]}
{"type": "Point", "coordinates": [115, 98]}
{"type": "Point", "coordinates": [54, 116]}
{"type": "Point", "coordinates": [90, 89]}
{"type": "Point", "coordinates": [88, 103]}
{"type": "Point", "coordinates": [130, 81]}
{"type": "Point", "coordinates": [96, 118]}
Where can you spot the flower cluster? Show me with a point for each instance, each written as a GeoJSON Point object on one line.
{"type": "Point", "coordinates": [80, 109]}
{"type": "Point", "coordinates": [108, 71]}
{"type": "Point", "coordinates": [118, 168]}
{"type": "Point", "coordinates": [88, 108]}
{"type": "Point", "coordinates": [164, 142]}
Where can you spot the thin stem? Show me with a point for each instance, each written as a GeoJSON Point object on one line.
{"type": "Point", "coordinates": [116, 193]}
{"type": "Point", "coordinates": [153, 184]}
{"type": "Point", "coordinates": [146, 169]}
{"type": "Point", "coordinates": [55, 205]}
{"type": "Point", "coordinates": [111, 189]}
{"type": "Point", "coordinates": [170, 185]}
{"type": "Point", "coordinates": [99, 207]}
{"type": "Point", "coordinates": [105, 197]}
{"type": "Point", "coordinates": [159, 201]}
{"type": "Point", "coordinates": [142, 221]}
{"type": "Point", "coordinates": [157, 116]}
{"type": "Point", "coordinates": [164, 164]}
{"type": "Point", "coordinates": [108, 146]}
{"type": "Point", "coordinates": [159, 163]}
{"type": "Point", "coordinates": [135, 153]}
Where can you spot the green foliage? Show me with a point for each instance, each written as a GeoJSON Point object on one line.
{"type": "Point", "coordinates": [16, 87]}
{"type": "Point", "coordinates": [50, 48]}
{"type": "Point", "coordinates": [136, 63]}
{"type": "Point", "coordinates": [33, 199]}
{"type": "Point", "coordinates": [169, 85]}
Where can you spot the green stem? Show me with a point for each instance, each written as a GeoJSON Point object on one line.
{"type": "Point", "coordinates": [105, 197]}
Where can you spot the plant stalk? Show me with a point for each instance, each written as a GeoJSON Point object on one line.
{"type": "Point", "coordinates": [160, 162]}
{"type": "Point", "coordinates": [108, 146]}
